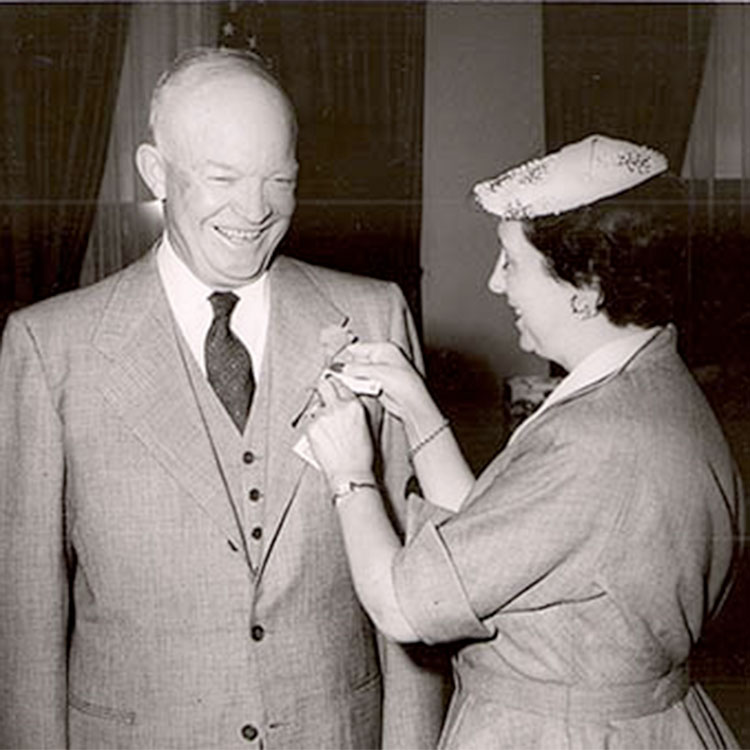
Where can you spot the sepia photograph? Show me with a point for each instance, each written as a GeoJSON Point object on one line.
{"type": "Point", "coordinates": [374, 374]}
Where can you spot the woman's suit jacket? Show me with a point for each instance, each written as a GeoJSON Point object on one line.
{"type": "Point", "coordinates": [581, 571]}
{"type": "Point", "coordinates": [133, 614]}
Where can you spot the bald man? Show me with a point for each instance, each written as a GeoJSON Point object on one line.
{"type": "Point", "coordinates": [173, 572]}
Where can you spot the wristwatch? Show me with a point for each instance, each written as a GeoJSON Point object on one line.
{"type": "Point", "coordinates": [348, 486]}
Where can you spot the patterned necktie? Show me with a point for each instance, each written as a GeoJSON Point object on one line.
{"type": "Point", "coordinates": [228, 364]}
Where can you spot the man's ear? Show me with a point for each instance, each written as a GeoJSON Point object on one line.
{"type": "Point", "coordinates": [152, 168]}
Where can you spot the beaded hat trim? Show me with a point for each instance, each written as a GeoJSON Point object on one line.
{"type": "Point", "coordinates": [577, 175]}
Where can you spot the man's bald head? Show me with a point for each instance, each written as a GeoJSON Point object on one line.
{"type": "Point", "coordinates": [201, 67]}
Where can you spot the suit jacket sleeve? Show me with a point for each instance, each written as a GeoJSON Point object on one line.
{"type": "Point", "coordinates": [417, 683]}
{"type": "Point", "coordinates": [33, 580]}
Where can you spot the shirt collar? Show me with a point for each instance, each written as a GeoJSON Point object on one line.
{"type": "Point", "coordinates": [187, 293]}
{"type": "Point", "coordinates": [188, 299]}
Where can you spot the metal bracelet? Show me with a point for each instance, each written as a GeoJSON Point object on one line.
{"type": "Point", "coordinates": [421, 444]}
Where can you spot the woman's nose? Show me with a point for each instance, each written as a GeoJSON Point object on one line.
{"type": "Point", "coordinates": [496, 282]}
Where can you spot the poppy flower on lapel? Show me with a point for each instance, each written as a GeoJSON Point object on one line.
{"type": "Point", "coordinates": [333, 340]}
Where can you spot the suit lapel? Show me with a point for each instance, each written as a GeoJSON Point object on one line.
{"type": "Point", "coordinates": [145, 379]}
{"type": "Point", "coordinates": [300, 311]}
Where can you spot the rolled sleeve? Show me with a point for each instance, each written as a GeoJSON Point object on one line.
{"type": "Point", "coordinates": [430, 592]}
{"type": "Point", "coordinates": [420, 511]}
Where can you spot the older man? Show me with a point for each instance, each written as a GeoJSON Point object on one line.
{"type": "Point", "coordinates": [173, 573]}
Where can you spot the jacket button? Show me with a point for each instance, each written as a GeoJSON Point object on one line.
{"type": "Point", "coordinates": [257, 532]}
{"type": "Point", "coordinates": [257, 633]}
{"type": "Point", "coordinates": [254, 494]}
{"type": "Point", "coordinates": [248, 457]}
{"type": "Point", "coordinates": [249, 732]}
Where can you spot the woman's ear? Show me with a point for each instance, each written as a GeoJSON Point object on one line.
{"type": "Point", "coordinates": [152, 168]}
{"type": "Point", "coordinates": [586, 302]}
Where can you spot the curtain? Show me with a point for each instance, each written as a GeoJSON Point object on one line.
{"type": "Point", "coordinates": [717, 166]}
{"type": "Point", "coordinates": [127, 219]}
{"type": "Point", "coordinates": [719, 144]}
{"type": "Point", "coordinates": [58, 63]}
{"type": "Point", "coordinates": [629, 70]}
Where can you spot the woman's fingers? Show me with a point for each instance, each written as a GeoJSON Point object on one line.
{"type": "Point", "coordinates": [366, 371]}
{"type": "Point", "coordinates": [329, 395]}
{"type": "Point", "coordinates": [376, 352]}
{"type": "Point", "coordinates": [338, 431]}
{"type": "Point", "coordinates": [333, 391]}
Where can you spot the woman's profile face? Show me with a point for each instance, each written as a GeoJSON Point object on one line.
{"type": "Point", "coordinates": [541, 303]}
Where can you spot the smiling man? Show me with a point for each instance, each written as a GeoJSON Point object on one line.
{"type": "Point", "coordinates": [223, 161]}
{"type": "Point", "coordinates": [173, 571]}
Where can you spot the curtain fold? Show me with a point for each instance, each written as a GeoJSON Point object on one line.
{"type": "Point", "coordinates": [719, 144]}
{"type": "Point", "coordinates": [59, 64]}
{"type": "Point", "coordinates": [127, 220]}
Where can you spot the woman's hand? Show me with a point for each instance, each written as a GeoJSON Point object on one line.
{"type": "Point", "coordinates": [443, 474]}
{"type": "Point", "coordinates": [404, 392]}
{"type": "Point", "coordinates": [340, 435]}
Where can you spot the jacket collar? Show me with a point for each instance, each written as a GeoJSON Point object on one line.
{"type": "Point", "coordinates": [599, 367]}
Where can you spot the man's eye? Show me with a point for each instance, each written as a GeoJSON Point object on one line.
{"type": "Point", "coordinates": [220, 179]}
{"type": "Point", "coordinates": [289, 181]}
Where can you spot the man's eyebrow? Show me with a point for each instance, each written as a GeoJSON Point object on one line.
{"type": "Point", "coordinates": [211, 164]}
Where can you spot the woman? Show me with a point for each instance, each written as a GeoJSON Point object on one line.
{"type": "Point", "coordinates": [577, 571]}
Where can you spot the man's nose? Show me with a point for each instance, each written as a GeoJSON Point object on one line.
{"type": "Point", "coordinates": [496, 282]}
{"type": "Point", "coordinates": [250, 201]}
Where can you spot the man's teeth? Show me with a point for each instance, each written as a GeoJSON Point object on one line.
{"type": "Point", "coordinates": [238, 235]}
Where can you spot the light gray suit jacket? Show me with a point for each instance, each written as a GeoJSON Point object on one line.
{"type": "Point", "coordinates": [132, 613]}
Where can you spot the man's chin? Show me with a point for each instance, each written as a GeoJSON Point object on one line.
{"type": "Point", "coordinates": [246, 275]}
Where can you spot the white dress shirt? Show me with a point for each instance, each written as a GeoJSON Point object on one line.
{"type": "Point", "coordinates": [188, 299]}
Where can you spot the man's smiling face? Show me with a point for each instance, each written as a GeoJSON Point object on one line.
{"type": "Point", "coordinates": [228, 150]}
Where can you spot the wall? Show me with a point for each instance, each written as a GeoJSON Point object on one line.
{"type": "Point", "coordinates": [484, 112]}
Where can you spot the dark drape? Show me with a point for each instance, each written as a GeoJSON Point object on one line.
{"type": "Point", "coordinates": [59, 65]}
{"type": "Point", "coordinates": [355, 73]}
{"type": "Point", "coordinates": [629, 70]}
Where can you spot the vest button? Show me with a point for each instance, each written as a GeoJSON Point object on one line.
{"type": "Point", "coordinates": [249, 732]}
{"type": "Point", "coordinates": [257, 633]}
{"type": "Point", "coordinates": [254, 494]}
{"type": "Point", "coordinates": [248, 457]}
{"type": "Point", "coordinates": [257, 532]}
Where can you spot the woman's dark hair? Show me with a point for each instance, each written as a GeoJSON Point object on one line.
{"type": "Point", "coordinates": [630, 246]}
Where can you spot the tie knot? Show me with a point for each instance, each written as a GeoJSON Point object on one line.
{"type": "Point", "coordinates": [223, 303]}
